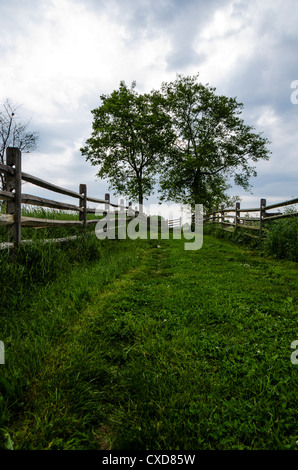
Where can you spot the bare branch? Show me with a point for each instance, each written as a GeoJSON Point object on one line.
{"type": "Point", "coordinates": [14, 132]}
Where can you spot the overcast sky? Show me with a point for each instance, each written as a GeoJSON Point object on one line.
{"type": "Point", "coordinates": [59, 56]}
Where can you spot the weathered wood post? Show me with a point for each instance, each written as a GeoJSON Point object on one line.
{"type": "Point", "coordinates": [83, 205]}
{"type": "Point", "coordinates": [207, 216]}
{"type": "Point", "coordinates": [122, 221]}
{"type": "Point", "coordinates": [262, 214]}
{"type": "Point", "coordinates": [107, 204]}
{"type": "Point", "coordinates": [107, 226]}
{"type": "Point", "coordinates": [130, 213]}
{"type": "Point", "coordinates": [13, 184]}
{"type": "Point", "coordinates": [237, 214]}
{"type": "Point", "coordinates": [222, 215]}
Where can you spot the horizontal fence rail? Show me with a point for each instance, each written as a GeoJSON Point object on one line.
{"type": "Point", "coordinates": [14, 199]}
{"type": "Point", "coordinates": [253, 223]}
{"type": "Point", "coordinates": [174, 223]}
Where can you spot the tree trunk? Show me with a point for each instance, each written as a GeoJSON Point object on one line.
{"type": "Point", "coordinates": [140, 194]}
{"type": "Point", "coordinates": [141, 199]}
{"type": "Point", "coordinates": [197, 188]}
{"type": "Point", "coordinates": [2, 184]}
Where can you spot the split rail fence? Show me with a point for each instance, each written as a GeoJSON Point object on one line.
{"type": "Point", "coordinates": [249, 225]}
{"type": "Point", "coordinates": [175, 223]}
{"type": "Point", "coordinates": [12, 195]}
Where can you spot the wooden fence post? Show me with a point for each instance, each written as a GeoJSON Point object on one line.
{"type": "Point", "coordinates": [207, 216]}
{"type": "Point", "coordinates": [108, 226]}
{"type": "Point", "coordinates": [107, 204]}
{"type": "Point", "coordinates": [83, 205]}
{"type": "Point", "coordinates": [262, 214]}
{"type": "Point", "coordinates": [13, 183]}
{"type": "Point", "coordinates": [130, 211]}
{"type": "Point", "coordinates": [222, 215]}
{"type": "Point", "coordinates": [122, 221]}
{"type": "Point", "coordinates": [237, 214]}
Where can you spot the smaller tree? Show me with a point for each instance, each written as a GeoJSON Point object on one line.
{"type": "Point", "coordinates": [131, 133]}
{"type": "Point", "coordinates": [14, 133]}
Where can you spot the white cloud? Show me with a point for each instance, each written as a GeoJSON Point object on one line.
{"type": "Point", "coordinates": [58, 56]}
{"type": "Point", "coordinates": [64, 56]}
{"type": "Point", "coordinates": [226, 40]}
{"type": "Point", "coordinates": [72, 52]}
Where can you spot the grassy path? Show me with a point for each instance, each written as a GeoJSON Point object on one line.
{"type": "Point", "coordinates": [185, 350]}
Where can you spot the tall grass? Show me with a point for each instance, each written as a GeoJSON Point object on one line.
{"type": "Point", "coordinates": [187, 350]}
{"type": "Point", "coordinates": [134, 344]}
{"type": "Point", "coordinates": [43, 290]}
{"type": "Point", "coordinates": [280, 239]}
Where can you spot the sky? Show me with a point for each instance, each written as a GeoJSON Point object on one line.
{"type": "Point", "coordinates": [58, 56]}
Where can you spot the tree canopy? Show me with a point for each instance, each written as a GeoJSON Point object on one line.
{"type": "Point", "coordinates": [194, 140]}
{"type": "Point", "coordinates": [131, 133]}
{"type": "Point", "coordinates": [212, 144]}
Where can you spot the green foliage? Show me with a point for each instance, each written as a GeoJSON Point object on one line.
{"type": "Point", "coordinates": [193, 138]}
{"type": "Point", "coordinates": [130, 134]}
{"type": "Point", "coordinates": [279, 240]}
{"type": "Point", "coordinates": [212, 144]}
{"type": "Point", "coordinates": [154, 347]}
{"type": "Point", "coordinates": [43, 290]}
{"type": "Point", "coordinates": [282, 239]}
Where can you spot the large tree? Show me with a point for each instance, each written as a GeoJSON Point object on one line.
{"type": "Point", "coordinates": [14, 132]}
{"type": "Point", "coordinates": [131, 133]}
{"type": "Point", "coordinates": [212, 144]}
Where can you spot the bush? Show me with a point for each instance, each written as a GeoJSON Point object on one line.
{"type": "Point", "coordinates": [39, 264]}
{"type": "Point", "coordinates": [282, 239]}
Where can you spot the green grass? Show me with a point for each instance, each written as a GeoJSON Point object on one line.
{"type": "Point", "coordinates": [280, 238]}
{"type": "Point", "coordinates": [153, 347]}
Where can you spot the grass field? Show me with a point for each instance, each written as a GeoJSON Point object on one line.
{"type": "Point", "coordinates": [143, 345]}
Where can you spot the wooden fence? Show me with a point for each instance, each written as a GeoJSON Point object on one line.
{"type": "Point", "coordinates": [12, 195]}
{"type": "Point", "coordinates": [14, 198]}
{"type": "Point", "coordinates": [246, 223]}
{"type": "Point", "coordinates": [174, 223]}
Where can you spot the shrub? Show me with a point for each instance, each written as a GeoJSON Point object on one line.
{"type": "Point", "coordinates": [281, 240]}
